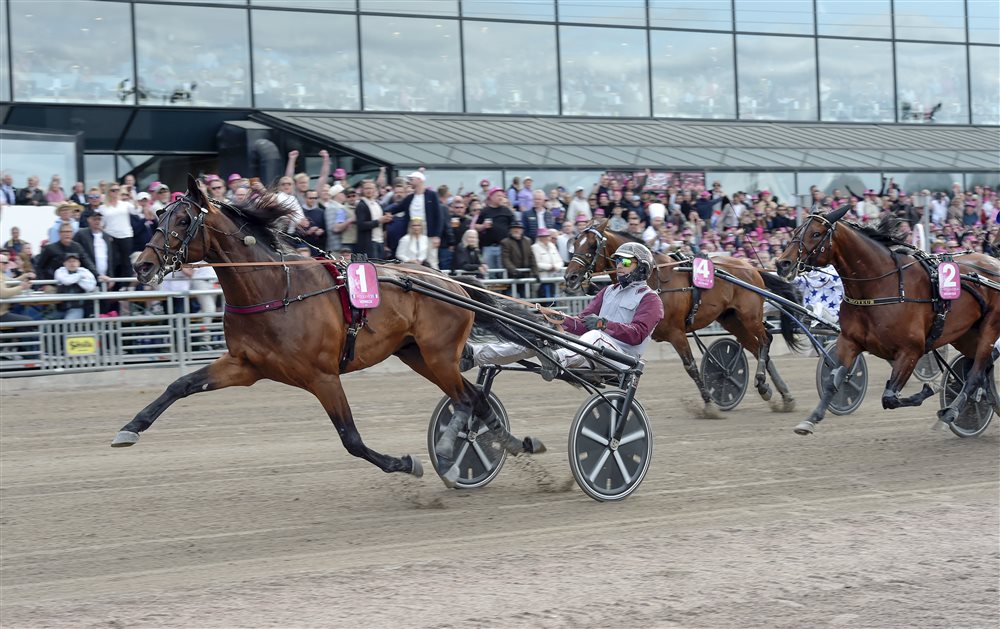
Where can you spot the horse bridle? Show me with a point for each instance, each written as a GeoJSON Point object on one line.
{"type": "Point", "coordinates": [798, 240]}
{"type": "Point", "coordinates": [171, 258]}
{"type": "Point", "coordinates": [590, 262]}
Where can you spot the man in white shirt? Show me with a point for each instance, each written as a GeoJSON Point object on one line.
{"type": "Point", "coordinates": [578, 206]}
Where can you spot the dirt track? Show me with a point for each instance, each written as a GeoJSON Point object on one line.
{"type": "Point", "coordinates": [241, 508]}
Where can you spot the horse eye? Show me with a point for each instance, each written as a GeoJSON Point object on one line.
{"type": "Point", "coordinates": [815, 234]}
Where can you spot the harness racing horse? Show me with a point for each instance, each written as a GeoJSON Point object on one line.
{"type": "Point", "coordinates": [890, 306]}
{"type": "Point", "coordinates": [740, 311]}
{"type": "Point", "coordinates": [284, 322]}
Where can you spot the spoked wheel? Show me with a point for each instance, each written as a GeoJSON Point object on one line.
{"type": "Point", "coordinates": [478, 455]}
{"type": "Point", "coordinates": [725, 372]}
{"type": "Point", "coordinates": [851, 393]}
{"type": "Point", "coordinates": [978, 412]}
{"type": "Point", "coordinates": [606, 471]}
{"type": "Point", "coordinates": [928, 369]}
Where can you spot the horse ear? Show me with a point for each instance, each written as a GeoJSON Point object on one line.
{"type": "Point", "coordinates": [194, 190]}
{"type": "Point", "coordinates": [837, 214]}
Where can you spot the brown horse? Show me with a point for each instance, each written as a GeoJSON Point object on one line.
{"type": "Point", "coordinates": [300, 341]}
{"type": "Point", "coordinates": [888, 308]}
{"type": "Point", "coordinates": [740, 311]}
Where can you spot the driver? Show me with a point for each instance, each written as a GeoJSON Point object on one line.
{"type": "Point", "coordinates": [621, 317]}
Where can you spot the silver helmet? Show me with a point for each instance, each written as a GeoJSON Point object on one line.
{"type": "Point", "coordinates": [642, 254]}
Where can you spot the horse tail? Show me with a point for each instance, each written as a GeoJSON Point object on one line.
{"type": "Point", "coordinates": [787, 290]}
{"type": "Point", "coordinates": [486, 324]}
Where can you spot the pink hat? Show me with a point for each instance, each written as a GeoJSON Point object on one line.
{"type": "Point", "coordinates": [233, 177]}
{"type": "Point", "coordinates": [484, 182]}
{"type": "Point", "coordinates": [492, 190]}
{"type": "Point", "coordinates": [543, 231]}
{"type": "Point", "coordinates": [705, 194]}
{"type": "Point", "coordinates": [340, 173]}
{"type": "Point", "coordinates": [153, 187]}
{"type": "Point", "coordinates": [765, 192]}
{"type": "Point", "coordinates": [599, 212]}
{"type": "Point", "coordinates": [211, 177]}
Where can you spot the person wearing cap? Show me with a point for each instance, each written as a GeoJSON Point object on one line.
{"type": "Point", "coordinates": [161, 195]}
{"type": "Point", "coordinates": [517, 258]}
{"type": "Point", "coordinates": [341, 223]}
{"type": "Point", "coordinates": [98, 245]}
{"type": "Point", "coordinates": [73, 279]}
{"type": "Point", "coordinates": [52, 255]}
{"type": "Point", "coordinates": [64, 216]}
{"type": "Point", "coordinates": [233, 182]}
{"type": "Point", "coordinates": [143, 222]}
{"type": "Point", "coordinates": [493, 225]}
{"type": "Point", "coordinates": [578, 206]}
{"type": "Point", "coordinates": [422, 203]}
{"type": "Point", "coordinates": [216, 189]}
{"type": "Point", "coordinates": [548, 262]}
{"type": "Point", "coordinates": [118, 224]}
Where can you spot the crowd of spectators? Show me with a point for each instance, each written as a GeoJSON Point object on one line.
{"type": "Point", "coordinates": [524, 231]}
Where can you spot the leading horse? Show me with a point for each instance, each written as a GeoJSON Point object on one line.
{"type": "Point", "coordinates": [740, 311]}
{"type": "Point", "coordinates": [889, 306]}
{"type": "Point", "coordinates": [284, 322]}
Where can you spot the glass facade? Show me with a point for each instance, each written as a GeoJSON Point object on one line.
{"type": "Point", "coordinates": [782, 60]}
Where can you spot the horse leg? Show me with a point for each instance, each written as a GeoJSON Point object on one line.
{"type": "Point", "coordinates": [847, 352]}
{"type": "Point", "coordinates": [330, 392]}
{"type": "Point", "coordinates": [227, 371]}
{"type": "Point", "coordinates": [975, 379]}
{"type": "Point", "coordinates": [679, 340]}
{"type": "Point", "coordinates": [902, 366]}
{"type": "Point", "coordinates": [757, 341]}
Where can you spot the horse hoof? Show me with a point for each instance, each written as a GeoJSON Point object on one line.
{"type": "Point", "coordinates": [415, 467]}
{"type": "Point", "coordinates": [765, 393]}
{"type": "Point", "coordinates": [124, 439]}
{"type": "Point", "coordinates": [450, 478]}
{"type": "Point", "coordinates": [788, 404]}
{"type": "Point", "coordinates": [805, 428]}
{"type": "Point", "coordinates": [938, 426]}
{"type": "Point", "coordinates": [533, 446]}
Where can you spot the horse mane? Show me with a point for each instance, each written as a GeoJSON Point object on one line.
{"type": "Point", "coordinates": [627, 236]}
{"type": "Point", "coordinates": [262, 215]}
{"type": "Point", "coordinates": [885, 231]}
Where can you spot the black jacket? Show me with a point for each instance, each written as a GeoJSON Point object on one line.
{"type": "Point", "coordinates": [85, 238]}
{"type": "Point", "coordinates": [54, 254]}
{"type": "Point", "coordinates": [467, 259]}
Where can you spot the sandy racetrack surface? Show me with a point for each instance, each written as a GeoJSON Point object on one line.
{"type": "Point", "coordinates": [241, 508]}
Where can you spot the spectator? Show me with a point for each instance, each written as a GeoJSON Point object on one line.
{"type": "Point", "coordinates": [517, 259]}
{"type": "Point", "coordinates": [414, 246]}
{"type": "Point", "coordinates": [468, 258]}
{"type": "Point", "coordinates": [315, 232]}
{"type": "Point", "coordinates": [143, 223]}
{"type": "Point", "coordinates": [578, 206]}
{"type": "Point", "coordinates": [94, 201]}
{"type": "Point", "coordinates": [536, 216]}
{"type": "Point", "coordinates": [421, 203]}
{"type": "Point", "coordinates": [78, 194]}
{"type": "Point", "coordinates": [64, 216]}
{"type": "Point", "coordinates": [118, 224]}
{"type": "Point", "coordinates": [493, 226]}
{"type": "Point", "coordinates": [484, 190]}
{"type": "Point", "coordinates": [99, 247]}
{"type": "Point", "coordinates": [512, 191]}
{"type": "Point", "coordinates": [234, 182]}
{"type": "Point", "coordinates": [9, 290]}
{"type": "Point", "coordinates": [341, 230]}
{"type": "Point", "coordinates": [55, 193]}
{"type": "Point", "coordinates": [564, 240]}
{"type": "Point", "coordinates": [31, 194]}
{"type": "Point", "coordinates": [8, 193]}
{"type": "Point", "coordinates": [161, 195]}
{"type": "Point", "coordinates": [15, 244]}
{"type": "Point", "coordinates": [458, 224]}
{"type": "Point", "coordinates": [53, 254]}
{"type": "Point", "coordinates": [370, 223]}
{"type": "Point", "coordinates": [71, 278]}
{"type": "Point", "coordinates": [217, 190]}
{"type": "Point", "coordinates": [525, 196]}
{"type": "Point", "coordinates": [548, 261]}
{"type": "Point", "coordinates": [301, 180]}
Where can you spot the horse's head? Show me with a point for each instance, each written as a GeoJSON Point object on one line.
{"type": "Point", "coordinates": [811, 245]}
{"type": "Point", "coordinates": [179, 236]}
{"type": "Point", "coordinates": [589, 255]}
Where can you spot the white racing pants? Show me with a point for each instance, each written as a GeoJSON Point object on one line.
{"type": "Point", "coordinates": [506, 353]}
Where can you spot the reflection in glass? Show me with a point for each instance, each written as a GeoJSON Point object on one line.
{"type": "Point", "coordinates": [713, 15]}
{"type": "Point", "coordinates": [837, 184]}
{"type": "Point", "coordinates": [71, 51]}
{"type": "Point", "coordinates": [788, 17]}
{"type": "Point", "coordinates": [463, 181]}
{"type": "Point", "coordinates": [693, 75]}
{"type": "Point", "coordinates": [24, 156]}
{"type": "Point", "coordinates": [780, 185]}
{"type": "Point", "coordinates": [604, 71]}
{"type": "Point", "coordinates": [985, 67]}
{"type": "Point", "coordinates": [192, 56]}
{"type": "Point", "coordinates": [527, 10]}
{"type": "Point", "coordinates": [316, 5]}
{"type": "Point", "coordinates": [568, 179]}
{"type": "Point", "coordinates": [938, 21]}
{"type": "Point", "coordinates": [496, 56]}
{"type": "Point", "coordinates": [854, 18]}
{"type": "Point", "coordinates": [4, 60]}
{"type": "Point", "coordinates": [984, 21]}
{"type": "Point", "coordinates": [777, 78]}
{"type": "Point", "coordinates": [855, 81]}
{"type": "Point", "coordinates": [397, 79]}
{"type": "Point", "coordinates": [288, 74]}
{"type": "Point", "coordinates": [618, 12]}
{"type": "Point", "coordinates": [98, 168]}
{"type": "Point", "coordinates": [931, 83]}
{"type": "Point", "coordinates": [414, 7]}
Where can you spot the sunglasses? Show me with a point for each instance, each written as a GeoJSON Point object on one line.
{"type": "Point", "coordinates": [625, 262]}
{"type": "Point", "coordinates": [113, 189]}
{"type": "Point", "coordinates": [311, 198]}
{"type": "Point", "coordinates": [218, 188]}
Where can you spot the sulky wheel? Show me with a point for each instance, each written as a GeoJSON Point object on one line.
{"type": "Point", "coordinates": [603, 470]}
{"type": "Point", "coordinates": [978, 412]}
{"type": "Point", "coordinates": [478, 456]}
{"type": "Point", "coordinates": [928, 369]}
{"type": "Point", "coordinates": [725, 372]}
{"type": "Point", "coordinates": [851, 393]}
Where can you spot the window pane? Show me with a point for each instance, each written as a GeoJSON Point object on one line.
{"type": "Point", "coordinates": [287, 71]}
{"type": "Point", "coordinates": [693, 75]}
{"type": "Point", "coordinates": [192, 56]}
{"type": "Point", "coordinates": [985, 65]}
{"type": "Point", "coordinates": [932, 83]}
{"type": "Point", "coordinates": [984, 21]}
{"type": "Point", "coordinates": [395, 79]}
{"type": "Point", "coordinates": [713, 15]}
{"type": "Point", "coordinates": [854, 18]}
{"type": "Point", "coordinates": [68, 51]}
{"type": "Point", "coordinates": [777, 78]}
{"type": "Point", "coordinates": [855, 80]}
{"type": "Point", "coordinates": [939, 21]}
{"type": "Point", "coordinates": [335, 5]}
{"type": "Point", "coordinates": [98, 168]}
{"type": "Point", "coordinates": [239, 2]}
{"type": "Point", "coordinates": [528, 10]}
{"type": "Point", "coordinates": [618, 12]}
{"type": "Point", "coordinates": [780, 185]}
{"type": "Point", "coordinates": [37, 155]}
{"type": "Point", "coordinates": [4, 60]}
{"type": "Point", "coordinates": [604, 71]}
{"type": "Point", "coordinates": [789, 17]}
{"type": "Point", "coordinates": [496, 56]}
{"type": "Point", "coordinates": [415, 7]}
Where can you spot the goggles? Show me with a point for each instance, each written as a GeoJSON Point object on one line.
{"type": "Point", "coordinates": [622, 260]}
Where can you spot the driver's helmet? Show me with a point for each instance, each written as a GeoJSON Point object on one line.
{"type": "Point", "coordinates": [642, 254]}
